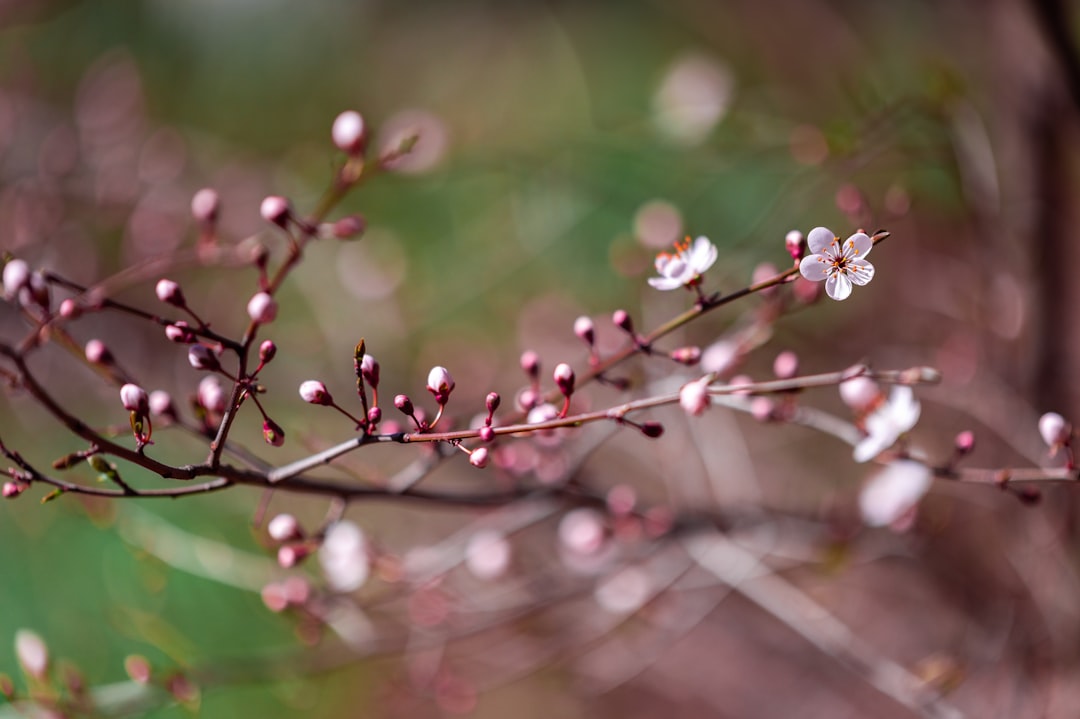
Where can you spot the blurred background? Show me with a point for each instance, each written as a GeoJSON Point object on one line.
{"type": "Point", "coordinates": [561, 146]}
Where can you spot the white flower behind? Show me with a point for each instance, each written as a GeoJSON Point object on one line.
{"type": "Point", "coordinates": [840, 266]}
{"type": "Point", "coordinates": [891, 494]}
{"type": "Point", "coordinates": [683, 268]}
{"type": "Point", "coordinates": [886, 423]}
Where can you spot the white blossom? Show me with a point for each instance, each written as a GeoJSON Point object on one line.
{"type": "Point", "coordinates": [683, 268]}
{"type": "Point", "coordinates": [893, 492]}
{"type": "Point", "coordinates": [840, 265]}
{"type": "Point", "coordinates": [886, 423]}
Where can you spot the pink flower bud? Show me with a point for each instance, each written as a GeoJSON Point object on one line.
{"type": "Point", "coordinates": [369, 370]}
{"type": "Point", "coordinates": [374, 416]}
{"type": "Point", "coordinates": [403, 403]}
{"type": "Point", "coordinates": [860, 393]}
{"type": "Point", "coordinates": [622, 320]}
{"type": "Point", "coordinates": [69, 309]}
{"type": "Point", "coordinates": [314, 392]}
{"type": "Point", "coordinates": [180, 332]}
{"type": "Point", "coordinates": [267, 350]}
{"type": "Point", "coordinates": [689, 356]}
{"type": "Point", "coordinates": [11, 490]}
{"type": "Point", "coordinates": [135, 399]}
{"type": "Point", "coordinates": [583, 328]}
{"type": "Point", "coordinates": [348, 227]}
{"type": "Point", "coordinates": [349, 133]}
{"type": "Point", "coordinates": [761, 409]}
{"type": "Point", "coordinates": [440, 384]}
{"type": "Point", "coordinates": [786, 365]}
{"type": "Point", "coordinates": [795, 244]}
{"type": "Point", "coordinates": [487, 434]}
{"type": "Point", "coordinates": [582, 531]}
{"type": "Point", "coordinates": [37, 291]}
{"type": "Point", "coordinates": [32, 653]}
{"type": "Point", "coordinates": [202, 357]}
{"type": "Point", "coordinates": [479, 457]}
{"type": "Point", "coordinates": [262, 308]}
{"type": "Point", "coordinates": [1055, 430]}
{"type": "Point", "coordinates": [170, 293]}
{"type": "Point", "coordinates": [564, 378]}
{"type": "Point", "coordinates": [97, 353]}
{"type": "Point", "coordinates": [694, 396]}
{"type": "Point", "coordinates": [205, 205]}
{"type": "Point", "coordinates": [530, 363]}
{"type": "Point", "coordinates": [290, 555]}
{"type": "Point", "coordinates": [16, 277]}
{"type": "Point", "coordinates": [161, 404]}
{"type": "Point", "coordinates": [965, 442]}
{"type": "Point", "coordinates": [652, 430]}
{"type": "Point", "coordinates": [275, 210]}
{"type": "Point", "coordinates": [211, 394]}
{"type": "Point", "coordinates": [487, 554]}
{"type": "Point", "coordinates": [137, 668]}
{"type": "Point", "coordinates": [273, 433]}
{"type": "Point", "coordinates": [492, 402]}
{"type": "Point", "coordinates": [284, 528]}
{"type": "Point", "coordinates": [765, 271]}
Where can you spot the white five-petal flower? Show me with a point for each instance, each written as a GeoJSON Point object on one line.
{"type": "Point", "coordinates": [683, 267]}
{"type": "Point", "coordinates": [886, 423]}
{"type": "Point", "coordinates": [840, 265]}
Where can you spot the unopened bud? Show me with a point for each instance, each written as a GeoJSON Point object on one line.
{"type": "Point", "coordinates": [180, 332]}
{"type": "Point", "coordinates": [492, 402]}
{"type": "Point", "coordinates": [795, 244]}
{"type": "Point", "coordinates": [860, 393]}
{"type": "Point", "coordinates": [1055, 430]}
{"type": "Point", "coordinates": [262, 308]}
{"type": "Point", "coordinates": [273, 433]}
{"type": "Point", "coordinates": [97, 353]}
{"type": "Point", "coordinates": [369, 370]}
{"type": "Point", "coordinates": [374, 416]}
{"type": "Point", "coordinates": [275, 210]}
{"type": "Point", "coordinates": [11, 490]}
{"type": "Point", "coordinates": [786, 365]}
{"type": "Point", "coordinates": [479, 457]}
{"type": "Point", "coordinates": [202, 357]}
{"type": "Point", "coordinates": [689, 356]}
{"type": "Point", "coordinates": [16, 277]}
{"type": "Point", "coordinates": [211, 394]}
{"type": "Point", "coordinates": [161, 404]}
{"type": "Point", "coordinates": [205, 205]}
{"type": "Point", "coordinates": [487, 434]}
{"type": "Point", "coordinates": [622, 320]}
{"type": "Point", "coordinates": [348, 227]}
{"type": "Point", "coordinates": [530, 363]}
{"type": "Point", "coordinates": [135, 399]}
{"type": "Point", "coordinates": [267, 351]}
{"type": "Point", "coordinates": [290, 555]}
{"type": "Point", "coordinates": [564, 378]}
{"type": "Point", "coordinates": [440, 384]}
{"type": "Point", "coordinates": [315, 392]}
{"type": "Point", "coordinates": [584, 329]}
{"type": "Point", "coordinates": [284, 528]}
{"type": "Point", "coordinates": [69, 309]}
{"type": "Point", "coordinates": [170, 293]}
{"type": "Point", "coordinates": [403, 403]}
{"type": "Point", "coordinates": [349, 133]}
{"type": "Point", "coordinates": [652, 430]}
{"type": "Point", "coordinates": [965, 442]}
{"type": "Point", "coordinates": [138, 669]}
{"type": "Point", "coordinates": [694, 396]}
{"type": "Point", "coordinates": [32, 653]}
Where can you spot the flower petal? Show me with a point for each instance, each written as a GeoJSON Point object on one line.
{"type": "Point", "coordinates": [703, 254]}
{"type": "Point", "coordinates": [820, 240]}
{"type": "Point", "coordinates": [838, 286]}
{"type": "Point", "coordinates": [904, 408]}
{"type": "Point", "coordinates": [814, 268]}
{"type": "Point", "coordinates": [870, 447]}
{"type": "Point", "coordinates": [859, 271]}
{"type": "Point", "coordinates": [858, 245]}
{"type": "Point", "coordinates": [893, 491]}
{"type": "Point", "coordinates": [665, 283]}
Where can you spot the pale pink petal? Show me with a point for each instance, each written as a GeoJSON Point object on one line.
{"type": "Point", "coordinates": [820, 240]}
{"type": "Point", "coordinates": [662, 263]}
{"type": "Point", "coordinates": [665, 283]}
{"type": "Point", "coordinates": [860, 271]}
{"type": "Point", "coordinates": [703, 254]}
{"type": "Point", "coordinates": [893, 492]}
{"type": "Point", "coordinates": [838, 287]}
{"type": "Point", "coordinates": [904, 408]}
{"type": "Point", "coordinates": [858, 245]}
{"type": "Point", "coordinates": [814, 268]}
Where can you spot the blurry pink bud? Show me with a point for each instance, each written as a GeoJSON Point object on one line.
{"type": "Point", "coordinates": [170, 293]}
{"type": "Point", "coordinates": [211, 394]}
{"type": "Point", "coordinates": [262, 308]}
{"type": "Point", "coordinates": [487, 554]}
{"type": "Point", "coordinates": [202, 357]}
{"type": "Point", "coordinates": [527, 398]}
{"type": "Point", "coordinates": [374, 416]}
{"type": "Point", "coordinates": [479, 457]}
{"type": "Point", "coordinates": [965, 442]}
{"type": "Point", "coordinates": [694, 396]}
{"type": "Point", "coordinates": [11, 490]}
{"type": "Point", "coordinates": [260, 255]}
{"type": "Point", "coordinates": [349, 133]}
{"type": "Point", "coordinates": [135, 399]}
{"type": "Point", "coordinates": [492, 402]}
{"type": "Point", "coordinates": [1055, 430]}
{"type": "Point", "coordinates": [786, 365]}
{"type": "Point", "coordinates": [69, 309]}
{"type": "Point", "coordinates": [32, 653]}
{"type": "Point", "coordinates": [795, 244]}
{"type": "Point", "coordinates": [622, 320]}
{"type": "Point", "coordinates": [290, 555]}
{"type": "Point", "coordinates": [721, 357]}
{"type": "Point", "coordinates": [487, 434]}
{"type": "Point", "coordinates": [369, 370]}
{"type": "Point", "coordinates": [273, 433]}
{"type": "Point", "coordinates": [137, 668]}
{"type": "Point", "coordinates": [652, 430]}
{"type": "Point", "coordinates": [315, 392]}
{"type": "Point", "coordinates": [180, 332]}
{"type": "Point", "coordinates": [275, 210]}
{"type": "Point", "coordinates": [16, 277]}
{"type": "Point", "coordinates": [860, 393]}
{"type": "Point", "coordinates": [761, 409]}
{"type": "Point", "coordinates": [403, 403]}
{"type": "Point", "coordinates": [161, 404]}
{"type": "Point", "coordinates": [267, 350]}
{"type": "Point", "coordinates": [530, 363]}
{"type": "Point", "coordinates": [348, 227]}
{"type": "Point", "coordinates": [564, 378]}
{"type": "Point", "coordinates": [765, 271]}
{"type": "Point", "coordinates": [205, 205]}
{"type": "Point", "coordinates": [38, 291]}
{"type": "Point", "coordinates": [440, 384]}
{"type": "Point", "coordinates": [582, 531]}
{"type": "Point", "coordinates": [583, 328]}
{"type": "Point", "coordinates": [284, 528]}
{"type": "Point", "coordinates": [689, 356]}
{"type": "Point", "coordinates": [97, 353]}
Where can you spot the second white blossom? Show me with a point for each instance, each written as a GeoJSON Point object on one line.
{"type": "Point", "coordinates": [840, 265]}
